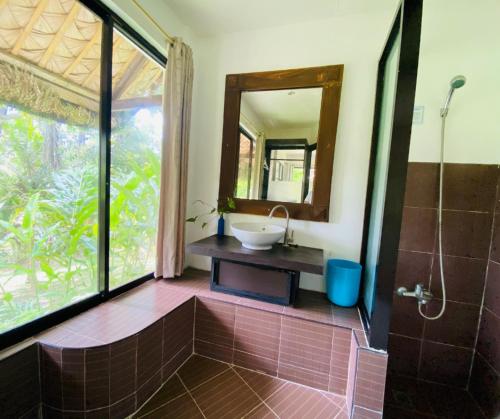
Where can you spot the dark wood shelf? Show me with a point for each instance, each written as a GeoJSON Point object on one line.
{"type": "Point", "coordinates": [301, 258]}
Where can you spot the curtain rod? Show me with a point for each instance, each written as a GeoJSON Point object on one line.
{"type": "Point", "coordinates": [169, 38]}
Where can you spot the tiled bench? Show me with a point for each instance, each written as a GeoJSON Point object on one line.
{"type": "Point", "coordinates": [109, 360]}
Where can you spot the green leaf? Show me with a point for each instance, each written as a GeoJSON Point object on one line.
{"type": "Point", "coordinates": [192, 219]}
{"type": "Point", "coordinates": [7, 297]}
{"type": "Point", "coordinates": [204, 225]}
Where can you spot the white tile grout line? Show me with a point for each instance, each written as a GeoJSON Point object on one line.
{"type": "Point", "coordinates": [481, 307]}
{"type": "Point", "coordinates": [190, 395]}
{"type": "Point", "coordinates": [159, 388]}
{"type": "Point", "coordinates": [331, 402]}
{"type": "Point", "coordinates": [279, 345]}
{"type": "Point", "coordinates": [260, 398]}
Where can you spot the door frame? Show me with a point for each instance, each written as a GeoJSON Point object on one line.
{"type": "Point", "coordinates": [407, 23]}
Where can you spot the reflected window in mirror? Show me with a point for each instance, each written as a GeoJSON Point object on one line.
{"type": "Point", "coordinates": [277, 142]}
{"type": "Point", "coordinates": [246, 166]}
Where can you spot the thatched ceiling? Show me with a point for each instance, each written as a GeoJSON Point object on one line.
{"type": "Point", "coordinates": [59, 42]}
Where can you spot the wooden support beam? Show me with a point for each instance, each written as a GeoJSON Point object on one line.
{"type": "Point", "coordinates": [39, 9]}
{"type": "Point", "coordinates": [138, 77]}
{"type": "Point", "coordinates": [122, 84]}
{"type": "Point", "coordinates": [136, 102]}
{"type": "Point", "coordinates": [95, 38]}
{"type": "Point", "coordinates": [68, 20]}
{"type": "Point", "coordinates": [94, 73]}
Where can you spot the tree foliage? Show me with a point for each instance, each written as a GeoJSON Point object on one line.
{"type": "Point", "coordinates": [49, 209]}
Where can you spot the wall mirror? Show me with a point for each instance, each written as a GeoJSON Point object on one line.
{"type": "Point", "coordinates": [279, 140]}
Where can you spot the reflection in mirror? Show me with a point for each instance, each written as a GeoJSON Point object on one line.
{"type": "Point", "coordinates": [277, 144]}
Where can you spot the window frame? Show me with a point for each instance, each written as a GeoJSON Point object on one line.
{"type": "Point", "coordinates": [251, 139]}
{"type": "Point", "coordinates": [110, 21]}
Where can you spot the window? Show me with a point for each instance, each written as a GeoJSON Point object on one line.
{"type": "Point", "coordinates": [137, 120]}
{"type": "Point", "coordinates": [79, 174]}
{"type": "Point", "coordinates": [246, 158]}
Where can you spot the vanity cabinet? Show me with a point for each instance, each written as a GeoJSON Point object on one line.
{"type": "Point", "coordinates": [267, 275]}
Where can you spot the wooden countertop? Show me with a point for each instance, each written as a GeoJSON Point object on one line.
{"type": "Point", "coordinates": [301, 258]}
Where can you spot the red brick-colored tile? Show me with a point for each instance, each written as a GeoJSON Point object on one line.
{"type": "Point", "coordinates": [306, 345]}
{"type": "Point", "coordinates": [225, 396]}
{"type": "Point", "coordinates": [255, 362]}
{"type": "Point", "coordinates": [303, 376]}
{"type": "Point", "coordinates": [362, 413]}
{"type": "Point", "coordinates": [199, 369]}
{"type": "Point", "coordinates": [293, 401]}
{"type": "Point", "coordinates": [211, 350]}
{"type": "Point", "coordinates": [339, 363]}
{"type": "Point", "coordinates": [73, 379]}
{"type": "Point", "coordinates": [149, 352]}
{"type": "Point", "coordinates": [370, 380]}
{"type": "Point", "coordinates": [182, 407]}
{"type": "Point", "coordinates": [97, 377]}
{"type": "Point", "coordinates": [418, 229]}
{"type": "Point", "coordinates": [262, 384]}
{"type": "Point", "coordinates": [492, 291]}
{"type": "Point", "coordinates": [214, 322]}
{"type": "Point", "coordinates": [177, 330]}
{"type": "Point", "coordinates": [122, 368]}
{"type": "Point", "coordinates": [257, 332]}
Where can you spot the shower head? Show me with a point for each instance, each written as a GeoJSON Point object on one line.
{"type": "Point", "coordinates": [455, 83]}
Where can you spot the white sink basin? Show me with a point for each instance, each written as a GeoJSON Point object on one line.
{"type": "Point", "coordinates": [257, 236]}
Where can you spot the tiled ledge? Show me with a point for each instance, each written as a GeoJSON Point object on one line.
{"type": "Point", "coordinates": [110, 359]}
{"type": "Point", "coordinates": [135, 310]}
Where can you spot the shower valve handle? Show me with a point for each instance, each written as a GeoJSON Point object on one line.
{"type": "Point", "coordinates": [420, 293]}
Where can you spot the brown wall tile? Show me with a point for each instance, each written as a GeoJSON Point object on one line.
{"type": "Point", "coordinates": [405, 319]}
{"type": "Point", "coordinates": [123, 361]}
{"type": "Point", "coordinates": [492, 292]}
{"type": "Point", "coordinates": [464, 279]}
{"type": "Point", "coordinates": [212, 350]}
{"type": "Point", "coordinates": [445, 364]}
{"type": "Point", "coordinates": [97, 377]}
{"type": "Point", "coordinates": [466, 233]}
{"type": "Point", "coordinates": [303, 376]}
{"type": "Point", "coordinates": [485, 387]}
{"type": "Point", "coordinates": [339, 363]}
{"type": "Point", "coordinates": [257, 332]}
{"type": "Point", "coordinates": [369, 386]}
{"type": "Point", "coordinates": [362, 413]}
{"type": "Point", "coordinates": [495, 245]}
{"type": "Point", "coordinates": [149, 352]}
{"type": "Point", "coordinates": [73, 379]}
{"type": "Point", "coordinates": [177, 330]}
{"type": "Point", "coordinates": [470, 187]}
{"type": "Point", "coordinates": [51, 384]}
{"type": "Point", "coordinates": [488, 344]}
{"type": "Point", "coordinates": [418, 229]}
{"type": "Point", "coordinates": [422, 183]}
{"type": "Point", "coordinates": [457, 326]}
{"type": "Point", "coordinates": [306, 344]}
{"type": "Point", "coordinates": [404, 354]}
{"type": "Point", "coordinates": [412, 268]}
{"type": "Point", "coordinates": [214, 322]}
{"type": "Point", "coordinates": [19, 383]}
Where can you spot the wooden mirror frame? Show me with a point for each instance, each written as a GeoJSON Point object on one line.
{"type": "Point", "coordinates": [329, 78]}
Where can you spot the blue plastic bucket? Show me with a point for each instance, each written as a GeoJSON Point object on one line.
{"type": "Point", "coordinates": [342, 281]}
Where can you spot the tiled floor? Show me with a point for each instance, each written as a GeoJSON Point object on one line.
{"type": "Point", "coordinates": [205, 388]}
{"type": "Point", "coordinates": [133, 311]}
{"type": "Point", "coordinates": [407, 398]}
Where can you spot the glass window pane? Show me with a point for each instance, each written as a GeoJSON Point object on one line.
{"type": "Point", "coordinates": [245, 166]}
{"type": "Point", "coordinates": [49, 167]}
{"type": "Point", "coordinates": [137, 121]}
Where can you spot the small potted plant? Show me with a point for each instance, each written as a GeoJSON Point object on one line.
{"type": "Point", "coordinates": [221, 209]}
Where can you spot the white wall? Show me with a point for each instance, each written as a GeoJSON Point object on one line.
{"type": "Point", "coordinates": [355, 41]}
{"type": "Point", "coordinates": [459, 37]}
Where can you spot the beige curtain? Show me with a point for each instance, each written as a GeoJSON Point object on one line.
{"type": "Point", "coordinates": [174, 160]}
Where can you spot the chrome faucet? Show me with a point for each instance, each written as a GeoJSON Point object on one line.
{"type": "Point", "coordinates": [286, 239]}
{"type": "Point", "coordinates": [422, 295]}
